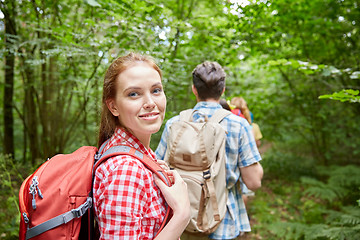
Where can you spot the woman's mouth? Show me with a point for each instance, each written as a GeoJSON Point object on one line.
{"type": "Point", "coordinates": [149, 116]}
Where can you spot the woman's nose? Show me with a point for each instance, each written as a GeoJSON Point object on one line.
{"type": "Point", "coordinates": [149, 102]}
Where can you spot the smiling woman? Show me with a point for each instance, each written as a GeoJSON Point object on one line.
{"type": "Point", "coordinates": [122, 74]}
{"type": "Point", "coordinates": [129, 204]}
{"type": "Point", "coordinates": [141, 101]}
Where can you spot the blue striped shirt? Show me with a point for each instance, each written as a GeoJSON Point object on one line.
{"type": "Point", "coordinates": [241, 151]}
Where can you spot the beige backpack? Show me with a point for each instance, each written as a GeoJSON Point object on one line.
{"type": "Point", "coordinates": [197, 151]}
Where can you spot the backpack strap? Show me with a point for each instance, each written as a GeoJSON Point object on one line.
{"type": "Point", "coordinates": [103, 146]}
{"type": "Point", "coordinates": [144, 159]}
{"type": "Point", "coordinates": [186, 115]}
{"type": "Point", "coordinates": [201, 220]}
{"type": "Point", "coordinates": [59, 220]}
{"type": "Point", "coordinates": [219, 115]}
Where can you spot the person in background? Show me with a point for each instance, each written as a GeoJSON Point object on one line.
{"type": "Point", "coordinates": [242, 156]}
{"type": "Point", "coordinates": [224, 104]}
{"type": "Point", "coordinates": [240, 108]}
{"type": "Point", "coordinates": [256, 131]}
{"type": "Point", "coordinates": [129, 203]}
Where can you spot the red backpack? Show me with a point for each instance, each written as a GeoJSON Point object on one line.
{"type": "Point", "coordinates": [56, 200]}
{"type": "Point", "coordinates": [237, 111]}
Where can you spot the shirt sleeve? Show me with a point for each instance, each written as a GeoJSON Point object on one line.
{"type": "Point", "coordinates": [123, 198]}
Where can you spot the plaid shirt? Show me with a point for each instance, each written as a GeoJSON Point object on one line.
{"type": "Point", "coordinates": [128, 204]}
{"type": "Point", "coordinates": [241, 151]}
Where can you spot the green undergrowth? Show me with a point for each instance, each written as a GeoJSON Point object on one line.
{"type": "Point", "coordinates": [10, 182]}
{"type": "Point", "coordinates": [319, 204]}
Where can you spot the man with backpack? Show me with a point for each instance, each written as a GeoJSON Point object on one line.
{"type": "Point", "coordinates": [241, 156]}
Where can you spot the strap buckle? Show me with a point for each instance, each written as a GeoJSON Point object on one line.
{"type": "Point", "coordinates": [97, 156]}
{"type": "Point", "coordinates": [81, 210]}
{"type": "Point", "coordinates": [207, 174]}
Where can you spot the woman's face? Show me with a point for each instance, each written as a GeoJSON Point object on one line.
{"type": "Point", "coordinates": [140, 101]}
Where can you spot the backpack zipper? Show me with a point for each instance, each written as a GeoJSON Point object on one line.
{"type": "Point", "coordinates": [34, 189]}
{"type": "Point", "coordinates": [26, 219]}
{"type": "Point", "coordinates": [23, 191]}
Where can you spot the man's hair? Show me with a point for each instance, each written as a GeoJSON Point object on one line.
{"type": "Point", "coordinates": [209, 80]}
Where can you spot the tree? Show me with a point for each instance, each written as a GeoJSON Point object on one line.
{"type": "Point", "coordinates": [313, 46]}
{"type": "Point", "coordinates": [9, 11]}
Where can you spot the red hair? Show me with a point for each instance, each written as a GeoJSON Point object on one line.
{"type": "Point", "coordinates": [241, 104]}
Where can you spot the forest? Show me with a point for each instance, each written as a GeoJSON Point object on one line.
{"type": "Point", "coordinates": [296, 63]}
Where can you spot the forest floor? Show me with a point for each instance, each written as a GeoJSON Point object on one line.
{"type": "Point", "coordinates": [255, 234]}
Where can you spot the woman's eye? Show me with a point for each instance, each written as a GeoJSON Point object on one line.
{"type": "Point", "coordinates": [157, 90]}
{"type": "Point", "coordinates": [133, 94]}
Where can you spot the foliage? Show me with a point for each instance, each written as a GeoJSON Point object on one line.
{"type": "Point", "coordinates": [9, 185]}
{"type": "Point", "coordinates": [342, 184]}
{"type": "Point", "coordinates": [314, 52]}
{"type": "Point", "coordinates": [273, 65]}
{"type": "Point", "coordinates": [343, 96]}
{"type": "Point", "coordinates": [310, 209]}
{"type": "Point", "coordinates": [280, 165]}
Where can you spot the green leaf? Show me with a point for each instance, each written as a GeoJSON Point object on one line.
{"type": "Point", "coordinates": [355, 75]}
{"type": "Point", "coordinates": [346, 95]}
{"type": "Point", "coordinates": [93, 3]}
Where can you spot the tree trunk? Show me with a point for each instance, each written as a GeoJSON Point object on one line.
{"type": "Point", "coordinates": [10, 31]}
{"type": "Point", "coordinates": [31, 113]}
{"type": "Point", "coordinates": [44, 110]}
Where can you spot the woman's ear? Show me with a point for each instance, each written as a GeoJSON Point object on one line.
{"type": "Point", "coordinates": [110, 103]}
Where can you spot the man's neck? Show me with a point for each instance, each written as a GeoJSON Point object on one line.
{"type": "Point", "coordinates": [210, 100]}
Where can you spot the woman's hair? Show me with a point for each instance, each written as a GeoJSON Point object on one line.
{"type": "Point", "coordinates": [224, 104]}
{"type": "Point", "coordinates": [241, 104]}
{"type": "Point", "coordinates": [109, 122]}
{"type": "Point", "coordinates": [209, 80]}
